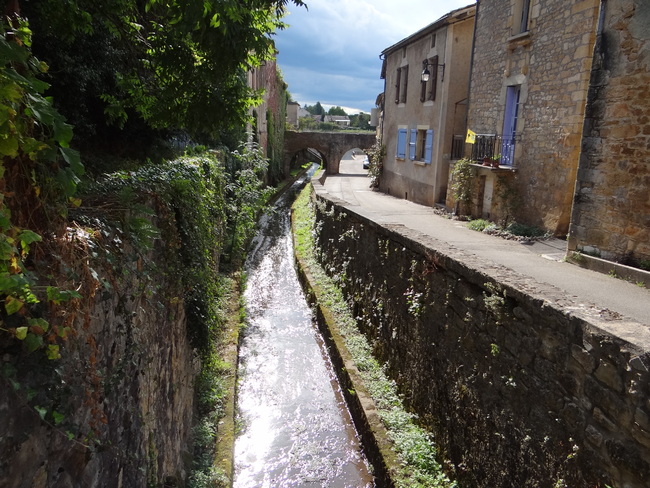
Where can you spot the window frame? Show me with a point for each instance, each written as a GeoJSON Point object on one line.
{"type": "Point", "coordinates": [521, 17]}
{"type": "Point", "coordinates": [403, 88]}
{"type": "Point", "coordinates": [511, 116]}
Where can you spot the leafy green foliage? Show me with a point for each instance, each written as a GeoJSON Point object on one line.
{"type": "Point", "coordinates": [246, 196]}
{"type": "Point", "coordinates": [211, 394]}
{"type": "Point", "coordinates": [479, 225]}
{"type": "Point", "coordinates": [38, 175]}
{"type": "Point", "coordinates": [315, 109]}
{"type": "Point", "coordinates": [360, 120]}
{"type": "Point", "coordinates": [514, 230]}
{"type": "Point", "coordinates": [193, 188]}
{"type": "Point", "coordinates": [524, 230]}
{"type": "Point", "coordinates": [376, 156]}
{"type": "Point", "coordinates": [462, 179]}
{"type": "Point", "coordinates": [179, 64]}
{"type": "Point", "coordinates": [336, 111]}
{"type": "Point", "coordinates": [276, 121]}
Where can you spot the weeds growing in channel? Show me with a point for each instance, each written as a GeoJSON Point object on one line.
{"type": "Point", "coordinates": [413, 445]}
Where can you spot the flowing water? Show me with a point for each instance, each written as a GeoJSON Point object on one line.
{"type": "Point", "coordinates": [295, 428]}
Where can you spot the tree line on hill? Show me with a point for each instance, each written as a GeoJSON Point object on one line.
{"type": "Point", "coordinates": [360, 121]}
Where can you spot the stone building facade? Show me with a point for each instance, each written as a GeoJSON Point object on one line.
{"type": "Point", "coordinates": [420, 117]}
{"type": "Point", "coordinates": [530, 74]}
{"type": "Point", "coordinates": [611, 212]}
{"type": "Point", "coordinates": [269, 117]}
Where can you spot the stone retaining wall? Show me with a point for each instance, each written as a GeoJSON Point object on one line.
{"type": "Point", "coordinates": [519, 386]}
{"type": "Point", "coordinates": [123, 390]}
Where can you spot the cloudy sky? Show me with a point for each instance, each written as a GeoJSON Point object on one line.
{"type": "Point", "coordinates": [330, 52]}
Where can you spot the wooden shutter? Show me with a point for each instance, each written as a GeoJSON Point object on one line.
{"type": "Point", "coordinates": [434, 78]}
{"type": "Point", "coordinates": [397, 85]}
{"type": "Point", "coordinates": [412, 143]}
{"type": "Point", "coordinates": [428, 147]}
{"type": "Point", "coordinates": [401, 144]}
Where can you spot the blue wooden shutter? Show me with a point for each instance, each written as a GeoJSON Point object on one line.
{"type": "Point", "coordinates": [428, 147]}
{"type": "Point", "coordinates": [510, 125]}
{"type": "Point", "coordinates": [412, 141]}
{"type": "Point", "coordinates": [401, 144]}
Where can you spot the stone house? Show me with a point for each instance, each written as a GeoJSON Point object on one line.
{"type": "Point", "coordinates": [425, 91]}
{"type": "Point", "coordinates": [295, 112]}
{"type": "Point", "coordinates": [342, 120]}
{"type": "Point", "coordinates": [531, 67]}
{"type": "Point", "coordinates": [611, 209]}
{"type": "Point", "coordinates": [558, 93]}
{"type": "Point", "coordinates": [270, 116]}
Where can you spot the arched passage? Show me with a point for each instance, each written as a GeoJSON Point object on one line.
{"type": "Point", "coordinates": [331, 145]}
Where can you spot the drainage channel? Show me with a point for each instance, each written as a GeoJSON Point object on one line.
{"type": "Point", "coordinates": [295, 429]}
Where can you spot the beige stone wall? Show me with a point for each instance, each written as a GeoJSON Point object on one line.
{"type": "Point", "coordinates": [552, 63]}
{"type": "Point", "coordinates": [611, 215]}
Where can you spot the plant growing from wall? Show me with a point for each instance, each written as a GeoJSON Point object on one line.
{"type": "Point", "coordinates": [38, 178]}
{"type": "Point", "coordinates": [462, 175]}
{"type": "Point", "coordinates": [376, 156]}
{"type": "Point", "coordinates": [415, 448]}
{"type": "Point", "coordinates": [246, 195]}
{"type": "Point", "coordinates": [494, 301]}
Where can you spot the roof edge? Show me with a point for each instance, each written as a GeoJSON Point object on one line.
{"type": "Point", "coordinates": [447, 19]}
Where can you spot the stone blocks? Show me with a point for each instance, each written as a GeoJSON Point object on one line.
{"type": "Point", "coordinates": [517, 389]}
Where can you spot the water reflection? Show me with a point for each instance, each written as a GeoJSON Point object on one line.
{"type": "Point", "coordinates": [296, 430]}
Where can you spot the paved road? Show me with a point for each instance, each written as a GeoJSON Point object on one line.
{"type": "Point", "coordinates": [542, 262]}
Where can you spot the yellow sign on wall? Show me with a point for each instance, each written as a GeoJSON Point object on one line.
{"type": "Point", "coordinates": [471, 137]}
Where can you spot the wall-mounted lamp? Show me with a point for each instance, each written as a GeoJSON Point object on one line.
{"type": "Point", "coordinates": [426, 73]}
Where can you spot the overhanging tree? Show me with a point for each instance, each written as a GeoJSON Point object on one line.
{"type": "Point", "coordinates": [175, 63]}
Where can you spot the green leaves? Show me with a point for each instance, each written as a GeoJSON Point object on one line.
{"type": "Point", "coordinates": [13, 305]}
{"type": "Point", "coordinates": [58, 296]}
{"type": "Point", "coordinates": [175, 63]}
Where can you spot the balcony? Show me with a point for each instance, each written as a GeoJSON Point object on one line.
{"type": "Point", "coordinates": [485, 146]}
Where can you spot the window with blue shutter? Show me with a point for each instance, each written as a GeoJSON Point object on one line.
{"type": "Point", "coordinates": [428, 147]}
{"type": "Point", "coordinates": [412, 142]}
{"type": "Point", "coordinates": [401, 144]}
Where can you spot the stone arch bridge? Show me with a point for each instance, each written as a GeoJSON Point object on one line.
{"type": "Point", "coordinates": [331, 146]}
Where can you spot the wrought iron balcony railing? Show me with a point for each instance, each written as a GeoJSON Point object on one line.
{"type": "Point", "coordinates": [486, 146]}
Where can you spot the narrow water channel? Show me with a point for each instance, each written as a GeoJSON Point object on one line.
{"type": "Point", "coordinates": [295, 428]}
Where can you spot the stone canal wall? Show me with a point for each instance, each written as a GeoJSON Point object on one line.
{"type": "Point", "coordinates": [117, 409]}
{"type": "Point", "coordinates": [518, 385]}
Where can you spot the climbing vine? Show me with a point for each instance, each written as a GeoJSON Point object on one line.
{"type": "Point", "coordinates": [462, 178]}
{"type": "Point", "coordinates": [376, 156]}
{"type": "Point", "coordinates": [38, 179]}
